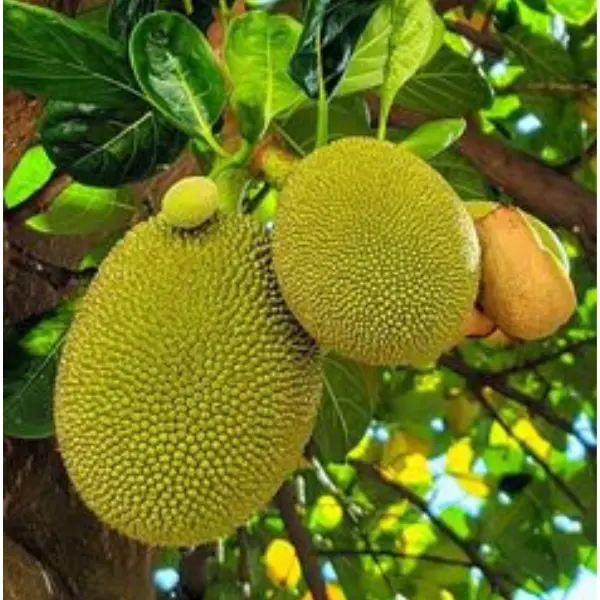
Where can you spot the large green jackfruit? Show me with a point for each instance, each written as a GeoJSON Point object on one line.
{"type": "Point", "coordinates": [186, 389]}
{"type": "Point", "coordinates": [376, 255]}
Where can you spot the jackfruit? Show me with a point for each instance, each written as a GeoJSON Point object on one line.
{"type": "Point", "coordinates": [186, 390]}
{"type": "Point", "coordinates": [375, 254]}
{"type": "Point", "coordinates": [551, 242]}
{"type": "Point", "coordinates": [526, 291]}
{"type": "Point", "coordinates": [190, 201]}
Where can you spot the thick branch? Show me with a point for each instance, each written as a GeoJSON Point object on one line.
{"type": "Point", "coordinates": [285, 500]}
{"type": "Point", "coordinates": [537, 188]}
{"type": "Point", "coordinates": [39, 201]}
{"type": "Point", "coordinates": [478, 379]}
{"type": "Point", "coordinates": [46, 519]}
{"type": "Point", "coordinates": [496, 582]}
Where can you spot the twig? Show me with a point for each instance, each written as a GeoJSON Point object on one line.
{"type": "Point", "coordinates": [395, 554]}
{"type": "Point", "coordinates": [478, 379]}
{"type": "Point", "coordinates": [560, 484]}
{"type": "Point", "coordinates": [482, 39]}
{"type": "Point", "coordinates": [243, 563]}
{"type": "Point", "coordinates": [542, 360]}
{"type": "Point", "coordinates": [496, 582]}
{"type": "Point", "coordinates": [350, 509]}
{"type": "Point", "coordinates": [558, 88]}
{"type": "Point", "coordinates": [285, 500]}
{"type": "Point", "coordinates": [57, 276]}
{"type": "Point", "coordinates": [39, 201]}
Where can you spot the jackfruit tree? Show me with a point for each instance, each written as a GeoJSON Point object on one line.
{"type": "Point", "coordinates": [300, 299]}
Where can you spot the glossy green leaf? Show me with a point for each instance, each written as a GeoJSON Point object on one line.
{"type": "Point", "coordinates": [411, 38]}
{"type": "Point", "coordinates": [349, 398]}
{"type": "Point", "coordinates": [449, 85]}
{"type": "Point", "coordinates": [178, 72]}
{"type": "Point", "coordinates": [31, 354]}
{"type": "Point", "coordinates": [462, 175]}
{"type": "Point", "coordinates": [78, 209]}
{"type": "Point", "coordinates": [257, 52]}
{"type": "Point", "coordinates": [124, 14]}
{"type": "Point", "coordinates": [51, 55]}
{"type": "Point", "coordinates": [334, 28]}
{"type": "Point", "coordinates": [578, 12]}
{"type": "Point", "coordinates": [347, 117]}
{"type": "Point", "coordinates": [108, 146]}
{"type": "Point", "coordinates": [544, 58]}
{"type": "Point", "coordinates": [430, 139]}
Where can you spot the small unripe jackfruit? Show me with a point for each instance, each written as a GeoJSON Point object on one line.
{"type": "Point", "coordinates": [526, 291]}
{"type": "Point", "coordinates": [190, 202]}
{"type": "Point", "coordinates": [376, 255]}
{"type": "Point", "coordinates": [186, 389]}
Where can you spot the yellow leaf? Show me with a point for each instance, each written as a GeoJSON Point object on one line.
{"type": "Point", "coordinates": [474, 485]}
{"type": "Point", "coordinates": [411, 470]}
{"type": "Point", "coordinates": [499, 437]}
{"type": "Point", "coordinates": [459, 457]}
{"type": "Point", "coordinates": [525, 431]}
{"type": "Point", "coordinates": [401, 445]}
{"type": "Point", "coordinates": [327, 513]}
{"type": "Point", "coordinates": [390, 519]}
{"type": "Point", "coordinates": [333, 590]}
{"type": "Point", "coordinates": [283, 568]}
{"type": "Point", "coordinates": [415, 539]}
{"type": "Point", "coordinates": [446, 595]}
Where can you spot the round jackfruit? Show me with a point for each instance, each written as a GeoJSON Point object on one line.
{"type": "Point", "coordinates": [375, 254]}
{"type": "Point", "coordinates": [190, 201]}
{"type": "Point", "coordinates": [186, 389]}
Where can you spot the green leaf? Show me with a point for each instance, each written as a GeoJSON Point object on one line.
{"type": "Point", "coordinates": [178, 72]}
{"type": "Point", "coordinates": [257, 52]}
{"type": "Point", "coordinates": [409, 44]}
{"type": "Point", "coordinates": [349, 398]}
{"type": "Point", "coordinates": [51, 55]}
{"type": "Point", "coordinates": [30, 360]}
{"type": "Point", "coordinates": [334, 29]}
{"type": "Point", "coordinates": [347, 117]}
{"type": "Point", "coordinates": [460, 173]}
{"type": "Point", "coordinates": [578, 12]}
{"type": "Point", "coordinates": [124, 14]}
{"type": "Point", "coordinates": [108, 146]}
{"type": "Point", "coordinates": [77, 210]}
{"type": "Point", "coordinates": [430, 139]}
{"type": "Point", "coordinates": [449, 85]}
{"type": "Point", "coordinates": [544, 58]}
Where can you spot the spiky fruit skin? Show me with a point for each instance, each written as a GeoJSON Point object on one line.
{"type": "Point", "coordinates": [186, 389]}
{"type": "Point", "coordinates": [375, 254]}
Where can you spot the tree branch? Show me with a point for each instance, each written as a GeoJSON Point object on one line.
{"type": "Point", "coordinates": [285, 501]}
{"type": "Point", "coordinates": [395, 554]}
{"type": "Point", "coordinates": [495, 580]}
{"type": "Point", "coordinates": [39, 201]}
{"type": "Point", "coordinates": [537, 188]}
{"type": "Point", "coordinates": [558, 88]}
{"type": "Point", "coordinates": [57, 276]}
{"type": "Point", "coordinates": [542, 360]}
{"type": "Point", "coordinates": [478, 379]}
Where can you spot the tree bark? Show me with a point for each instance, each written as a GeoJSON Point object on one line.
{"type": "Point", "coordinates": [55, 548]}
